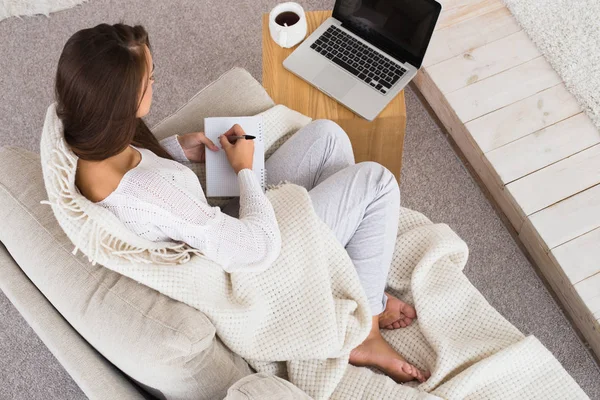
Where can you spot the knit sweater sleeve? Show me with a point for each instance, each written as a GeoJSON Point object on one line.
{"type": "Point", "coordinates": [250, 243]}
{"type": "Point", "coordinates": [173, 147]}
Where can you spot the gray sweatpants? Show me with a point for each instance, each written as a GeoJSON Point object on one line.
{"type": "Point", "coordinates": [359, 202]}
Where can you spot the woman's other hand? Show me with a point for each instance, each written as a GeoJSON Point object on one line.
{"type": "Point", "coordinates": [193, 146]}
{"type": "Point", "coordinates": [240, 153]}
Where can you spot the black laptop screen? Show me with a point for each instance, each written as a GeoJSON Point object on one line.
{"type": "Point", "coordinates": [402, 28]}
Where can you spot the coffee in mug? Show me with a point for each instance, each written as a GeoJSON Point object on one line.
{"type": "Point", "coordinates": [287, 18]}
{"type": "Point", "coordinates": [287, 24]}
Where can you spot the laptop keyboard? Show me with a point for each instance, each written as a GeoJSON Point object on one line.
{"type": "Point", "coordinates": [360, 60]}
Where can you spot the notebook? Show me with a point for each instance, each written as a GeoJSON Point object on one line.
{"type": "Point", "coordinates": [221, 179]}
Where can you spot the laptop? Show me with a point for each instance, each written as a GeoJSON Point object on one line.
{"type": "Point", "coordinates": [367, 52]}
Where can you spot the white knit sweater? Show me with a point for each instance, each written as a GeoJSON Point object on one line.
{"type": "Point", "coordinates": [162, 200]}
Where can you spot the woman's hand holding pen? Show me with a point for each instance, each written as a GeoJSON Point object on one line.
{"type": "Point", "coordinates": [240, 154]}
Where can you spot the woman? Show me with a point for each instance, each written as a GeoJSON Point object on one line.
{"type": "Point", "coordinates": [104, 88]}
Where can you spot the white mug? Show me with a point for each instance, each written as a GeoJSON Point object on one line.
{"type": "Point", "coordinates": [287, 36]}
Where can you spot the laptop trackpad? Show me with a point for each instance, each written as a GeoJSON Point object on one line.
{"type": "Point", "coordinates": [335, 82]}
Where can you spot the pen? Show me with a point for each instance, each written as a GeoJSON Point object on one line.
{"type": "Point", "coordinates": [242, 137]}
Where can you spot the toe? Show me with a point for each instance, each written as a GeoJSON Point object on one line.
{"type": "Point", "coordinates": [396, 325]}
{"type": "Point", "coordinates": [408, 310]}
{"type": "Point", "coordinates": [416, 375]}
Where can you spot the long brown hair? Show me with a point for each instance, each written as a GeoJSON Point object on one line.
{"type": "Point", "coordinates": [98, 82]}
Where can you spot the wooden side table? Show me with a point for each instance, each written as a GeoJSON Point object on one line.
{"type": "Point", "coordinates": [380, 140]}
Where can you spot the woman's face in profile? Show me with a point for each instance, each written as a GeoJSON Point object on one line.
{"type": "Point", "coordinates": [147, 99]}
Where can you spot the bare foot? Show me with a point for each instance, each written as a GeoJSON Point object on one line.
{"type": "Point", "coordinates": [376, 352]}
{"type": "Point", "coordinates": [397, 314]}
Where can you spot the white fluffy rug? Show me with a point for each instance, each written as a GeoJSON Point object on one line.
{"type": "Point", "coordinates": [567, 32]}
{"type": "Point", "coordinates": [16, 8]}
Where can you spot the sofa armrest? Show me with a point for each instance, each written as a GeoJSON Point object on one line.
{"type": "Point", "coordinates": [235, 93]}
{"type": "Point", "coordinates": [95, 375]}
{"type": "Point", "coordinates": [263, 386]}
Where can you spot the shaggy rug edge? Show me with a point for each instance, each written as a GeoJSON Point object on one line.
{"type": "Point", "coordinates": [580, 77]}
{"type": "Point", "coordinates": [18, 8]}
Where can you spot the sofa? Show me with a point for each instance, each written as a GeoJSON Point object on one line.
{"type": "Point", "coordinates": [119, 339]}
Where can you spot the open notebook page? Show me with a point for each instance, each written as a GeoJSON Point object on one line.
{"type": "Point", "coordinates": [221, 180]}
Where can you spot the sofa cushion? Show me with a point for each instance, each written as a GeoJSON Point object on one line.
{"type": "Point", "coordinates": [169, 348]}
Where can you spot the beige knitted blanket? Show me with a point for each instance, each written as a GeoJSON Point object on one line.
{"type": "Point", "coordinates": [301, 317]}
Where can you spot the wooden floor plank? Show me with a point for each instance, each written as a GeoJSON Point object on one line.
{"type": "Point", "coordinates": [568, 295]}
{"type": "Point", "coordinates": [542, 148]}
{"type": "Point", "coordinates": [455, 11]}
{"type": "Point", "coordinates": [589, 290]}
{"type": "Point", "coordinates": [475, 32]}
{"type": "Point", "coordinates": [503, 89]}
{"type": "Point", "coordinates": [580, 257]}
{"type": "Point", "coordinates": [483, 62]}
{"type": "Point", "coordinates": [569, 218]}
{"type": "Point", "coordinates": [523, 117]}
{"type": "Point", "coordinates": [557, 181]}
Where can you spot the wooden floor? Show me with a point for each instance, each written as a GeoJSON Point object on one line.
{"type": "Point", "coordinates": [529, 141]}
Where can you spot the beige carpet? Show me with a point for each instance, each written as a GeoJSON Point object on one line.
{"type": "Point", "coordinates": [195, 42]}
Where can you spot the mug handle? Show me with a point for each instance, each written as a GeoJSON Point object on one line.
{"type": "Point", "coordinates": [282, 38]}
